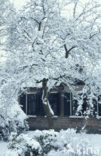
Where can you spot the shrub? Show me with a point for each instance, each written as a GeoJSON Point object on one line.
{"type": "Point", "coordinates": [51, 143]}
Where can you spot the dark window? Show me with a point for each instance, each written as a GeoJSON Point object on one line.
{"type": "Point", "coordinates": [23, 102]}
{"type": "Point", "coordinates": [39, 105]}
{"type": "Point", "coordinates": [94, 107]}
{"type": "Point", "coordinates": [31, 104]}
{"type": "Point", "coordinates": [99, 98]}
{"type": "Point", "coordinates": [67, 104]}
{"type": "Point", "coordinates": [99, 105]}
{"type": "Point", "coordinates": [54, 102]}
{"type": "Point", "coordinates": [84, 105]}
{"type": "Point", "coordinates": [99, 110]}
{"type": "Point", "coordinates": [74, 106]}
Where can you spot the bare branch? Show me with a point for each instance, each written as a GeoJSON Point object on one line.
{"type": "Point", "coordinates": [87, 11]}
{"type": "Point", "coordinates": [68, 51]}
{"type": "Point", "coordinates": [74, 11]}
{"type": "Point", "coordinates": [27, 34]}
{"type": "Point", "coordinates": [91, 36]}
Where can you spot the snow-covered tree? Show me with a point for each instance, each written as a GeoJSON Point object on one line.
{"type": "Point", "coordinates": [44, 49]}
{"type": "Point", "coordinates": [12, 117]}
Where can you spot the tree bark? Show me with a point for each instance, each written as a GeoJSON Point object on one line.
{"type": "Point", "coordinates": [47, 108]}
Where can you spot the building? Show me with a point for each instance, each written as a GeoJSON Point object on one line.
{"type": "Point", "coordinates": [64, 107]}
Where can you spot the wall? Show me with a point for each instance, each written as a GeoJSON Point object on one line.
{"type": "Point", "coordinates": [93, 125]}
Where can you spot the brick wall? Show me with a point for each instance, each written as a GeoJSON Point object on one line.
{"type": "Point", "coordinates": [93, 125]}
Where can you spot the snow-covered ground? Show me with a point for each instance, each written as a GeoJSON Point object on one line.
{"type": "Point", "coordinates": [64, 143]}
{"type": "Point", "coordinates": [3, 148]}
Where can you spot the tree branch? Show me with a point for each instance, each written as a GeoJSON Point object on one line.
{"type": "Point", "coordinates": [68, 51]}
{"type": "Point", "coordinates": [74, 11]}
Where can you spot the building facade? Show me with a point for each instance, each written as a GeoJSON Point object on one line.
{"type": "Point", "coordinates": [64, 106]}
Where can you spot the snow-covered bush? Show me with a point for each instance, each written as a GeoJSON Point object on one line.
{"type": "Point", "coordinates": [12, 118]}
{"type": "Point", "coordinates": [51, 143]}
{"type": "Point", "coordinates": [24, 145]}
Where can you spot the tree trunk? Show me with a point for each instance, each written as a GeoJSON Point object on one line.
{"type": "Point", "coordinates": [47, 108]}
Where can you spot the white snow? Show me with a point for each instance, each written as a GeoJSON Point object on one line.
{"type": "Point", "coordinates": [4, 151]}
{"type": "Point", "coordinates": [3, 148]}
{"type": "Point", "coordinates": [67, 141]}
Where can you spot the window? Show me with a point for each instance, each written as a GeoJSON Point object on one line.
{"type": "Point", "coordinates": [99, 109]}
{"type": "Point", "coordinates": [95, 107]}
{"type": "Point", "coordinates": [99, 105]}
{"type": "Point", "coordinates": [23, 101]}
{"type": "Point", "coordinates": [67, 104]}
{"type": "Point", "coordinates": [55, 102]}
{"type": "Point", "coordinates": [74, 106]}
{"type": "Point", "coordinates": [62, 104]}
{"type": "Point", "coordinates": [84, 105]}
{"type": "Point", "coordinates": [32, 104]}
{"type": "Point", "coordinates": [39, 105]}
